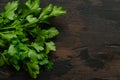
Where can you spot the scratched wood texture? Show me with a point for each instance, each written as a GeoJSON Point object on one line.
{"type": "Point", "coordinates": [88, 47]}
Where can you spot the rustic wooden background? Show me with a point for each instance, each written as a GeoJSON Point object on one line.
{"type": "Point", "coordinates": [88, 47]}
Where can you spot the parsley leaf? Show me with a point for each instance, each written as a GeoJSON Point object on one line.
{"type": "Point", "coordinates": [50, 46]}
{"type": "Point", "coordinates": [10, 9]}
{"type": "Point", "coordinates": [57, 11]}
{"type": "Point", "coordinates": [33, 6]}
{"type": "Point", "coordinates": [24, 41]}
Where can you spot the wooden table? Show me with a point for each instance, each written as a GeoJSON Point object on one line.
{"type": "Point", "coordinates": [88, 47]}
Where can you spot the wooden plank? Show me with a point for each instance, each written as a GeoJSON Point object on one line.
{"type": "Point", "coordinates": [88, 47]}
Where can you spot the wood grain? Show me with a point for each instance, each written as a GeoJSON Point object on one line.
{"type": "Point", "coordinates": [88, 47]}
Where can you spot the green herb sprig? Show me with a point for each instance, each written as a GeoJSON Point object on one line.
{"type": "Point", "coordinates": [25, 35]}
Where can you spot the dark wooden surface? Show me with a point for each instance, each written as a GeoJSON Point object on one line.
{"type": "Point", "coordinates": [88, 47]}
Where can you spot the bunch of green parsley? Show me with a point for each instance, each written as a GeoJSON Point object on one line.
{"type": "Point", "coordinates": [25, 35]}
